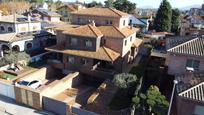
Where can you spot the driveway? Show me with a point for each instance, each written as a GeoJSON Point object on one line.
{"type": "Point", "coordinates": [10, 107]}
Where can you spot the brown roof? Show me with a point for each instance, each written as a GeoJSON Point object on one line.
{"type": "Point", "coordinates": [96, 11]}
{"type": "Point", "coordinates": [114, 32]}
{"type": "Point", "coordinates": [86, 30]}
{"type": "Point", "coordinates": [103, 53]}
{"type": "Point", "coordinates": [137, 43]}
{"type": "Point", "coordinates": [12, 37]}
{"type": "Point", "coordinates": [71, 8]}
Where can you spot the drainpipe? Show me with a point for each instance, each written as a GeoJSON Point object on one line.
{"type": "Point", "coordinates": [172, 95]}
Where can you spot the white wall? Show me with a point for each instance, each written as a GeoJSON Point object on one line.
{"type": "Point", "coordinates": [28, 27]}
{"type": "Point", "coordinates": [126, 22]}
{"type": "Point", "coordinates": [21, 44]}
{"type": "Point", "coordinates": [128, 46]}
{"type": "Point", "coordinates": [55, 19]}
{"type": "Point", "coordinates": [7, 90]}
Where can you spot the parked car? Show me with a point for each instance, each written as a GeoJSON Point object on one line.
{"type": "Point", "coordinates": [33, 84]}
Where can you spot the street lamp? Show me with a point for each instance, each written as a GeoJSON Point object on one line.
{"type": "Point", "coordinates": [172, 96]}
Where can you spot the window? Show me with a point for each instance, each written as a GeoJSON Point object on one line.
{"type": "Point", "coordinates": [88, 43]}
{"type": "Point", "coordinates": [71, 59]}
{"type": "Point", "coordinates": [125, 42]}
{"type": "Point", "coordinates": [2, 28]}
{"type": "Point", "coordinates": [29, 45]}
{"type": "Point", "coordinates": [73, 41]}
{"type": "Point", "coordinates": [79, 20]}
{"type": "Point", "coordinates": [10, 29]}
{"type": "Point", "coordinates": [111, 22]}
{"type": "Point", "coordinates": [193, 64]}
{"type": "Point", "coordinates": [107, 22]}
{"type": "Point", "coordinates": [83, 61]}
{"type": "Point", "coordinates": [130, 22]}
{"type": "Point", "coordinates": [123, 22]}
{"type": "Point", "coordinates": [131, 38]}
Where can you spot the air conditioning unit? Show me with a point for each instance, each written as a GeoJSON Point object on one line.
{"type": "Point", "coordinates": [190, 69]}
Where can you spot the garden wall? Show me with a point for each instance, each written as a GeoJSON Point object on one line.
{"type": "Point", "coordinates": [7, 89]}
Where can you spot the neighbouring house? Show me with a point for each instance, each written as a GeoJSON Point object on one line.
{"type": "Point", "coordinates": [184, 54]}
{"type": "Point", "coordinates": [141, 23]}
{"type": "Point", "coordinates": [101, 17]}
{"type": "Point", "coordinates": [21, 33]}
{"type": "Point", "coordinates": [97, 50]}
{"type": "Point", "coordinates": [190, 93]}
{"type": "Point", "coordinates": [160, 35]}
{"type": "Point", "coordinates": [44, 15]}
{"type": "Point", "coordinates": [65, 11]}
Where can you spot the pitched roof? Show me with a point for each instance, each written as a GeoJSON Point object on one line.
{"type": "Point", "coordinates": [48, 13]}
{"type": "Point", "coordinates": [96, 11]}
{"type": "Point", "coordinates": [12, 37]}
{"type": "Point", "coordinates": [191, 86]}
{"type": "Point", "coordinates": [86, 30]}
{"type": "Point", "coordinates": [103, 53]}
{"type": "Point", "coordinates": [137, 43]}
{"type": "Point", "coordinates": [192, 47]}
{"type": "Point", "coordinates": [114, 32]}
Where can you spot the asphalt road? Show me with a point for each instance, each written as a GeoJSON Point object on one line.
{"type": "Point", "coordinates": [10, 107]}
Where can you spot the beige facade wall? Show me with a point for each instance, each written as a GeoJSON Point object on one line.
{"type": "Point", "coordinates": [177, 63]}
{"type": "Point", "coordinates": [99, 20]}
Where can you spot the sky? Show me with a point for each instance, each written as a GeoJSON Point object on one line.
{"type": "Point", "coordinates": [155, 3]}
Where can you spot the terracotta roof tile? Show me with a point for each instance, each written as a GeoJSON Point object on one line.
{"type": "Point", "coordinates": [137, 43]}
{"type": "Point", "coordinates": [192, 47]}
{"type": "Point", "coordinates": [114, 32]}
{"type": "Point", "coordinates": [103, 53]}
{"type": "Point", "coordinates": [96, 11]}
{"type": "Point", "coordinates": [86, 30]}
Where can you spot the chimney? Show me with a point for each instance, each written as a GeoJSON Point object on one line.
{"type": "Point", "coordinates": [93, 23]}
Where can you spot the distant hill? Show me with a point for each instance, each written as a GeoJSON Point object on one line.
{"type": "Point", "coordinates": [189, 7]}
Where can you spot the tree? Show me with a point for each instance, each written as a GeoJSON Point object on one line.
{"type": "Point", "coordinates": [125, 6]}
{"type": "Point", "coordinates": [12, 57]}
{"type": "Point", "coordinates": [162, 22]}
{"type": "Point", "coordinates": [176, 22]}
{"type": "Point", "coordinates": [37, 1]}
{"type": "Point", "coordinates": [109, 3]}
{"type": "Point", "coordinates": [94, 4]}
{"type": "Point", "coordinates": [151, 102]}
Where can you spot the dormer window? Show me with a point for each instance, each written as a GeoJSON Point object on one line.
{"type": "Point", "coordinates": [88, 43]}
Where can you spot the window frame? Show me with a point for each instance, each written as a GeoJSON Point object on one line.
{"type": "Point", "coordinates": [87, 43]}
{"type": "Point", "coordinates": [73, 43]}
{"type": "Point", "coordinates": [193, 63]}
{"type": "Point", "coordinates": [71, 59]}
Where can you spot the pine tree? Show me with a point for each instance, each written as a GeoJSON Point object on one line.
{"type": "Point", "coordinates": [176, 22]}
{"type": "Point", "coordinates": [162, 21]}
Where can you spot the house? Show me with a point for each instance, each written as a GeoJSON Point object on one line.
{"type": "Point", "coordinates": [137, 22]}
{"type": "Point", "coordinates": [65, 11]}
{"type": "Point", "coordinates": [190, 93]}
{"type": "Point", "coordinates": [21, 33]}
{"type": "Point", "coordinates": [44, 15]}
{"type": "Point", "coordinates": [160, 35]}
{"type": "Point", "coordinates": [101, 17]}
{"type": "Point", "coordinates": [184, 54]}
{"type": "Point", "coordinates": [97, 50]}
